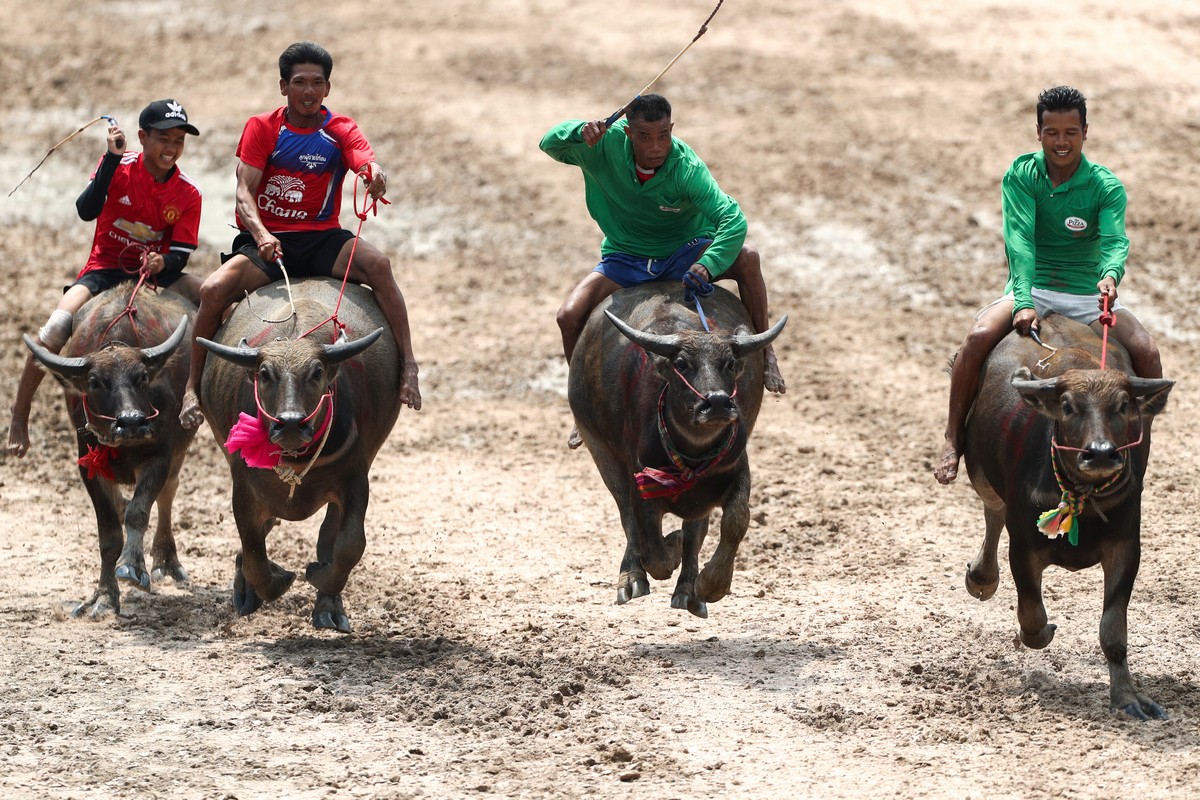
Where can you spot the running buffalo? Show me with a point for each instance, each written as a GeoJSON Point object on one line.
{"type": "Point", "coordinates": [666, 409]}
{"type": "Point", "coordinates": [1056, 448]}
{"type": "Point", "coordinates": [123, 374]}
{"type": "Point", "coordinates": [302, 402]}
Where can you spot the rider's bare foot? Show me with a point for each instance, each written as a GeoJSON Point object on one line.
{"type": "Point", "coordinates": [772, 377]}
{"type": "Point", "coordinates": [946, 469]}
{"type": "Point", "coordinates": [574, 439]}
{"type": "Point", "coordinates": [190, 415]}
{"type": "Point", "coordinates": [18, 437]}
{"type": "Point", "coordinates": [410, 390]}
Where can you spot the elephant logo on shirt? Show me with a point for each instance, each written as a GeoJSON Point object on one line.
{"type": "Point", "coordinates": [286, 188]}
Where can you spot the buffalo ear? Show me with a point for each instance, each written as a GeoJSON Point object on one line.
{"type": "Point", "coordinates": [1041, 394]}
{"type": "Point", "coordinates": [1151, 393]}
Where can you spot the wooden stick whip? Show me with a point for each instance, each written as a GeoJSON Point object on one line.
{"type": "Point", "coordinates": [703, 29]}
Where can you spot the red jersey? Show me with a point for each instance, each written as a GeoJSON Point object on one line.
{"type": "Point", "coordinates": [139, 211]}
{"type": "Point", "coordinates": [303, 168]}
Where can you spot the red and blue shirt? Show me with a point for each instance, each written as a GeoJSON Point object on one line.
{"type": "Point", "coordinates": [303, 168]}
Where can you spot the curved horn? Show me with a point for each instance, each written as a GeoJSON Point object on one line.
{"type": "Point", "coordinates": [340, 351]}
{"type": "Point", "coordinates": [745, 345]}
{"type": "Point", "coordinates": [242, 356]}
{"type": "Point", "coordinates": [665, 346]}
{"type": "Point", "coordinates": [66, 367]}
{"type": "Point", "coordinates": [159, 353]}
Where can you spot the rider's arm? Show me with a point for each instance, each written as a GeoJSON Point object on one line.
{"type": "Point", "coordinates": [724, 212]}
{"type": "Point", "coordinates": [1019, 206]}
{"type": "Point", "coordinates": [91, 202]}
{"type": "Point", "coordinates": [1114, 244]}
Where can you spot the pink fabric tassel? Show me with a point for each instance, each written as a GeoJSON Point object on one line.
{"type": "Point", "coordinates": [250, 436]}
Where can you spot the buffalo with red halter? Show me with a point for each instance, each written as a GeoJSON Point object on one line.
{"type": "Point", "coordinates": [1057, 448]}
{"type": "Point", "coordinates": [666, 409]}
{"type": "Point", "coordinates": [123, 375]}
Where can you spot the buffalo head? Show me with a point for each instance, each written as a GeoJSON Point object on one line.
{"type": "Point", "coordinates": [701, 368]}
{"type": "Point", "coordinates": [115, 384]}
{"type": "Point", "coordinates": [291, 378]}
{"type": "Point", "coordinates": [1098, 414]}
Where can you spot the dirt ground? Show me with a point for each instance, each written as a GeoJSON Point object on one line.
{"type": "Point", "coordinates": [865, 140]}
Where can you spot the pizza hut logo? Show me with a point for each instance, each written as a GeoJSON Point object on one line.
{"type": "Point", "coordinates": [1075, 225]}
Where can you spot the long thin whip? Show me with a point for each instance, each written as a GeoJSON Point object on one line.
{"type": "Point", "coordinates": [703, 29]}
{"type": "Point", "coordinates": [81, 129]}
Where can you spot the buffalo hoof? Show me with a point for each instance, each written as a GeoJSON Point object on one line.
{"type": "Point", "coordinates": [682, 600]}
{"type": "Point", "coordinates": [134, 575]}
{"type": "Point", "coordinates": [631, 588]}
{"type": "Point", "coordinates": [1145, 710]}
{"type": "Point", "coordinates": [99, 607]}
{"type": "Point", "coordinates": [328, 614]}
{"type": "Point", "coordinates": [981, 588]}
{"type": "Point", "coordinates": [172, 571]}
{"type": "Point", "coordinates": [1036, 641]}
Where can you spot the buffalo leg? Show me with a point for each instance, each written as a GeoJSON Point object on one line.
{"type": "Point", "coordinates": [106, 599]}
{"type": "Point", "coordinates": [685, 595]}
{"type": "Point", "coordinates": [1120, 564]}
{"type": "Point", "coordinates": [163, 549]}
{"type": "Point", "coordinates": [340, 546]}
{"type": "Point", "coordinates": [983, 574]}
{"type": "Point", "coordinates": [632, 582]}
{"type": "Point", "coordinates": [257, 579]}
{"type": "Point", "coordinates": [1031, 612]}
{"type": "Point", "coordinates": [717, 575]}
{"type": "Point", "coordinates": [131, 567]}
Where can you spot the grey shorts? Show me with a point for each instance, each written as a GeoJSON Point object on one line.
{"type": "Point", "coordinates": [1083, 308]}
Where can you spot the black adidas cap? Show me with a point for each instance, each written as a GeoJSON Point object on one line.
{"type": "Point", "coordinates": [163, 114]}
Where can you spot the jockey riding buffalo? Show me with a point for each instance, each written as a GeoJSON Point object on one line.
{"type": "Point", "coordinates": [666, 409]}
{"type": "Point", "coordinates": [122, 373]}
{"type": "Point", "coordinates": [1056, 448]}
{"type": "Point", "coordinates": [308, 398]}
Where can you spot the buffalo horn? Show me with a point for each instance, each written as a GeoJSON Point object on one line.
{"type": "Point", "coordinates": [665, 346]}
{"type": "Point", "coordinates": [66, 367]}
{"type": "Point", "coordinates": [242, 356]}
{"type": "Point", "coordinates": [159, 353]}
{"type": "Point", "coordinates": [745, 345]}
{"type": "Point", "coordinates": [340, 351]}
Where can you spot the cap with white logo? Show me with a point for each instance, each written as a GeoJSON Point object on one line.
{"type": "Point", "coordinates": [163, 114]}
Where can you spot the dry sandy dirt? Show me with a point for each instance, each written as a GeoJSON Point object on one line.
{"type": "Point", "coordinates": [865, 141]}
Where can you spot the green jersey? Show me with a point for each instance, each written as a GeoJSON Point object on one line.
{"type": "Point", "coordinates": [652, 219]}
{"type": "Point", "coordinates": [1063, 238]}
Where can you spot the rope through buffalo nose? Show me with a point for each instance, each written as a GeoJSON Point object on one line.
{"type": "Point", "coordinates": [695, 287]}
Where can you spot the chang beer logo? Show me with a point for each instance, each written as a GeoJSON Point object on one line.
{"type": "Point", "coordinates": [283, 189]}
{"type": "Point", "coordinates": [1076, 225]}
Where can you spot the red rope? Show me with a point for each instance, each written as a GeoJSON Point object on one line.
{"type": "Point", "coordinates": [130, 310]}
{"type": "Point", "coordinates": [370, 206]}
{"type": "Point", "coordinates": [1107, 320]}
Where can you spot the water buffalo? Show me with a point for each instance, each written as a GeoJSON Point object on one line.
{"type": "Point", "coordinates": [308, 414]}
{"type": "Point", "coordinates": [666, 409]}
{"type": "Point", "coordinates": [1056, 448]}
{"type": "Point", "coordinates": [123, 375]}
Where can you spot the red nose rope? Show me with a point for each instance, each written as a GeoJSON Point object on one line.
{"type": "Point", "coordinates": [98, 459]}
{"type": "Point", "coordinates": [1061, 520]}
{"type": "Point", "coordinates": [670, 483]}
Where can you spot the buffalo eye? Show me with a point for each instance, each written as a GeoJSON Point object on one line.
{"type": "Point", "coordinates": [680, 363]}
{"type": "Point", "coordinates": [94, 383]}
{"type": "Point", "coordinates": [317, 372]}
{"type": "Point", "coordinates": [1123, 406]}
{"type": "Point", "coordinates": [264, 374]}
{"type": "Point", "coordinates": [1068, 408]}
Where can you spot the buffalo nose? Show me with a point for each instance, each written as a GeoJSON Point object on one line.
{"type": "Point", "coordinates": [719, 402]}
{"type": "Point", "coordinates": [130, 419]}
{"type": "Point", "coordinates": [1100, 451]}
{"type": "Point", "coordinates": [288, 420]}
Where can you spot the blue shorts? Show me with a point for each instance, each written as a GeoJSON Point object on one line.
{"type": "Point", "coordinates": [628, 270]}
